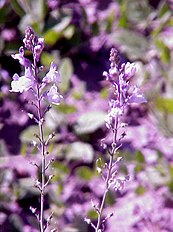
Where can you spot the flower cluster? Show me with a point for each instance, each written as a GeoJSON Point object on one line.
{"type": "Point", "coordinates": [30, 79]}
{"type": "Point", "coordinates": [43, 89]}
{"type": "Point", "coordinates": [119, 76]}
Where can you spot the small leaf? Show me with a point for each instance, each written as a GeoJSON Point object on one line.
{"type": "Point", "coordinates": [85, 173]}
{"type": "Point", "coordinates": [132, 43]}
{"type": "Point", "coordinates": [66, 109]}
{"type": "Point", "coordinates": [47, 58]}
{"type": "Point", "coordinates": [140, 190]}
{"type": "Point", "coordinates": [139, 157]}
{"type": "Point", "coordinates": [66, 72]}
{"type": "Point", "coordinates": [165, 52]}
{"type": "Point", "coordinates": [89, 122]}
{"type": "Point", "coordinates": [28, 134]}
{"type": "Point", "coordinates": [80, 151]}
{"type": "Point", "coordinates": [164, 104]}
{"type": "Point", "coordinates": [53, 119]}
{"type": "Point", "coordinates": [92, 214]}
{"type": "Point", "coordinates": [52, 36]}
{"type": "Point", "coordinates": [17, 7]}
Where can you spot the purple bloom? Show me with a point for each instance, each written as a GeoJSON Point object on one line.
{"type": "Point", "coordinates": [8, 34]}
{"type": "Point", "coordinates": [53, 96]}
{"type": "Point", "coordinates": [23, 83]}
{"type": "Point", "coordinates": [136, 97]}
{"type": "Point", "coordinates": [22, 60]}
{"type": "Point", "coordinates": [30, 38]}
{"type": "Point", "coordinates": [52, 76]}
{"type": "Point", "coordinates": [119, 76]}
{"type": "Point", "coordinates": [129, 70]}
{"type": "Point", "coordinates": [33, 43]}
{"type": "Point", "coordinates": [38, 48]}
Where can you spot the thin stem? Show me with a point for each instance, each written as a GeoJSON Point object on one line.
{"type": "Point", "coordinates": [114, 142]}
{"type": "Point", "coordinates": [100, 211]}
{"type": "Point", "coordinates": [43, 158]}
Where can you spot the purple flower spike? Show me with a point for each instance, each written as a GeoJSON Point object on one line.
{"type": "Point", "coordinates": [52, 76]}
{"type": "Point", "coordinates": [53, 96]}
{"type": "Point", "coordinates": [22, 60]}
{"type": "Point", "coordinates": [29, 40]}
{"type": "Point", "coordinates": [33, 43]}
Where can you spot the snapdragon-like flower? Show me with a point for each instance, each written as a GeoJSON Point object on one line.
{"type": "Point", "coordinates": [128, 70]}
{"type": "Point", "coordinates": [23, 83]}
{"type": "Point", "coordinates": [53, 75]}
{"type": "Point", "coordinates": [53, 95]}
{"type": "Point", "coordinates": [22, 60]}
{"type": "Point", "coordinates": [136, 96]}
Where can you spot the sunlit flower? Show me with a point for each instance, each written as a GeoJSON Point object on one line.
{"type": "Point", "coordinates": [22, 60]}
{"type": "Point", "coordinates": [129, 70]}
{"type": "Point", "coordinates": [38, 48]}
{"type": "Point", "coordinates": [53, 75]}
{"type": "Point", "coordinates": [53, 95]}
{"type": "Point", "coordinates": [23, 83]}
{"type": "Point", "coordinates": [136, 97]}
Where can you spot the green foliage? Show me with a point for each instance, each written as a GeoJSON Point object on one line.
{"type": "Point", "coordinates": [85, 173]}
{"type": "Point", "coordinates": [133, 43]}
{"type": "Point", "coordinates": [140, 190]}
{"type": "Point", "coordinates": [89, 122]}
{"type": "Point", "coordinates": [80, 151]}
{"type": "Point", "coordinates": [66, 71]}
{"type": "Point", "coordinates": [165, 52]}
{"type": "Point", "coordinates": [140, 157]}
{"type": "Point", "coordinates": [17, 7]}
{"type": "Point", "coordinates": [66, 109]}
{"type": "Point", "coordinates": [164, 104]}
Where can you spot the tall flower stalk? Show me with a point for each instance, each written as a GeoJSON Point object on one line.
{"type": "Point", "coordinates": [44, 90]}
{"type": "Point", "coordinates": [119, 76]}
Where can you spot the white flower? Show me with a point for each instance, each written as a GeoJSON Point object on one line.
{"type": "Point", "coordinates": [53, 96]}
{"type": "Point", "coordinates": [52, 76]}
{"type": "Point", "coordinates": [23, 83]}
{"type": "Point", "coordinates": [129, 70]}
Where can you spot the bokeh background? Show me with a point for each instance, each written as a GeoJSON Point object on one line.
{"type": "Point", "coordinates": [78, 38]}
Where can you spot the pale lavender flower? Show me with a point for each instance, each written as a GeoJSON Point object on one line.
{"type": "Point", "coordinates": [53, 75]}
{"type": "Point", "coordinates": [53, 95]}
{"type": "Point", "coordinates": [119, 76]}
{"type": "Point", "coordinates": [129, 70]}
{"type": "Point", "coordinates": [20, 56]}
{"type": "Point", "coordinates": [136, 96]}
{"type": "Point", "coordinates": [23, 83]}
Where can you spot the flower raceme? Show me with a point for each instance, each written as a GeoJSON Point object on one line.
{"type": "Point", "coordinates": [42, 89]}
{"type": "Point", "coordinates": [119, 76]}
{"type": "Point", "coordinates": [30, 79]}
